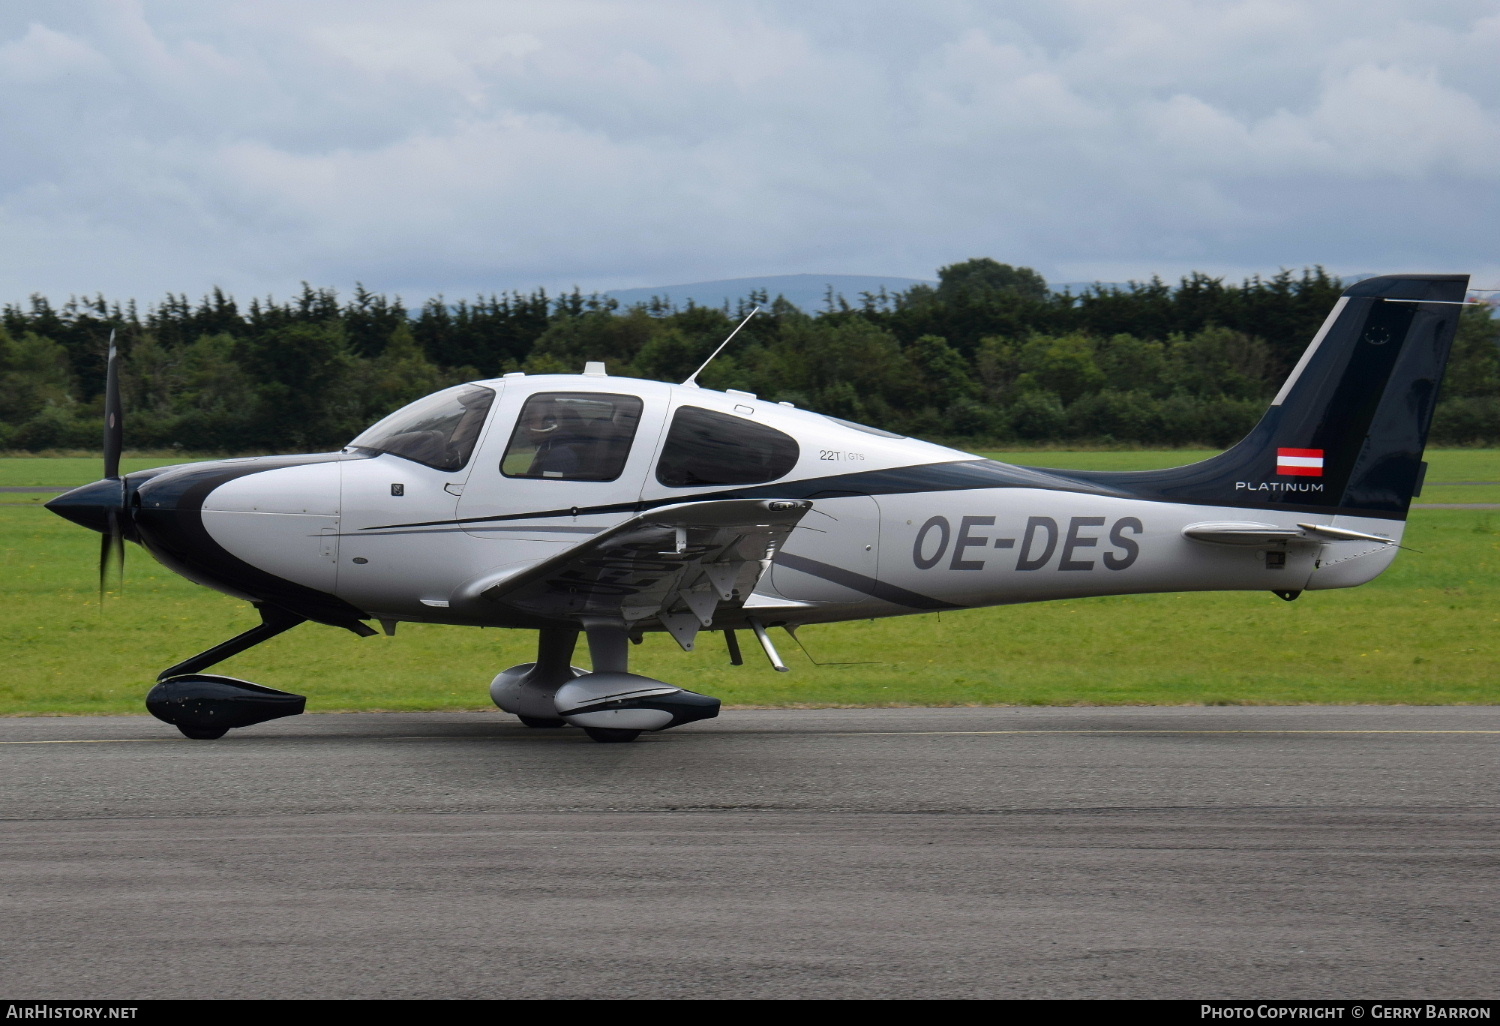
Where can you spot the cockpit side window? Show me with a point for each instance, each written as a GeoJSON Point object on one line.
{"type": "Point", "coordinates": [708, 448]}
{"type": "Point", "coordinates": [439, 431]}
{"type": "Point", "coordinates": [572, 436]}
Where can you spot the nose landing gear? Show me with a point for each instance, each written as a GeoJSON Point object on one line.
{"type": "Point", "coordinates": [205, 706]}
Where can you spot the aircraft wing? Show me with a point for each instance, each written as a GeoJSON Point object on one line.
{"type": "Point", "coordinates": [681, 565]}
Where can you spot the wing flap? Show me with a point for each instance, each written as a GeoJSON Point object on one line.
{"type": "Point", "coordinates": [677, 566]}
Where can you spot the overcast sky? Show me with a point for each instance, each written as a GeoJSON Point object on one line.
{"type": "Point", "coordinates": [464, 147]}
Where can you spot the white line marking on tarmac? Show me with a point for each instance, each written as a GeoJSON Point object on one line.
{"type": "Point", "coordinates": [1148, 731]}
{"type": "Point", "coordinates": [94, 741]}
{"type": "Point", "coordinates": [810, 733]}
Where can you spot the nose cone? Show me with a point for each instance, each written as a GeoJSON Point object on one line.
{"type": "Point", "coordinates": [91, 504]}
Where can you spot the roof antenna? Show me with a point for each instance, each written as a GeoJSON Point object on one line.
{"type": "Point", "coordinates": [692, 380]}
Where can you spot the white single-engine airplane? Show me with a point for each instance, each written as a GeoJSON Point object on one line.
{"type": "Point", "coordinates": [563, 503]}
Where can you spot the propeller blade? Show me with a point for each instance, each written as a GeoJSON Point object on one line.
{"type": "Point", "coordinates": [117, 537]}
{"type": "Point", "coordinates": [104, 562]}
{"type": "Point", "coordinates": [106, 546]}
{"type": "Point", "coordinates": [112, 538]}
{"type": "Point", "coordinates": [114, 420]}
{"type": "Point", "coordinates": [111, 554]}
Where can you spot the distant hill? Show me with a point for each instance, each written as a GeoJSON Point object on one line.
{"type": "Point", "coordinates": [1078, 288]}
{"type": "Point", "coordinates": [806, 291]}
{"type": "Point", "coordinates": [809, 291]}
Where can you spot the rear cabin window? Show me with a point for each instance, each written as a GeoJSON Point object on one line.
{"type": "Point", "coordinates": [708, 448]}
{"type": "Point", "coordinates": [572, 436]}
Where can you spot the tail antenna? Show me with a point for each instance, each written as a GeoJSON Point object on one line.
{"type": "Point", "coordinates": [692, 380]}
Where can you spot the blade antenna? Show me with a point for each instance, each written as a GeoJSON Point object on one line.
{"type": "Point", "coordinates": [693, 377]}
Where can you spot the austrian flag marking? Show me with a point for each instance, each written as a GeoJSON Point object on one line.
{"type": "Point", "coordinates": [1300, 462]}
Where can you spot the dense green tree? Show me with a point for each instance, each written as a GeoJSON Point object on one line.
{"type": "Point", "coordinates": [600, 334]}
{"type": "Point", "coordinates": [982, 279]}
{"type": "Point", "coordinates": [1130, 364]}
{"type": "Point", "coordinates": [989, 354]}
{"type": "Point", "coordinates": [36, 393]}
{"type": "Point", "coordinates": [1066, 367]}
{"type": "Point", "coordinates": [1476, 355]}
{"type": "Point", "coordinates": [669, 354]}
{"type": "Point", "coordinates": [493, 334]}
{"type": "Point", "coordinates": [34, 374]}
{"type": "Point", "coordinates": [401, 374]}
{"type": "Point", "coordinates": [218, 397]}
{"type": "Point", "coordinates": [852, 369]}
{"type": "Point", "coordinates": [370, 321]}
{"type": "Point", "coordinates": [1113, 415]}
{"type": "Point", "coordinates": [940, 376]}
{"type": "Point", "coordinates": [1219, 361]}
{"type": "Point", "coordinates": [1036, 416]}
{"type": "Point", "coordinates": [301, 371]}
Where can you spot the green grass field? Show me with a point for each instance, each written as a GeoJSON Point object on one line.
{"type": "Point", "coordinates": [1427, 632]}
{"type": "Point", "coordinates": [63, 472]}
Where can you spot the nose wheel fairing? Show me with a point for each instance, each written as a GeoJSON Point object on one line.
{"type": "Point", "coordinates": [205, 706]}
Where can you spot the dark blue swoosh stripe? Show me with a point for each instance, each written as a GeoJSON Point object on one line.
{"type": "Point", "coordinates": [861, 583]}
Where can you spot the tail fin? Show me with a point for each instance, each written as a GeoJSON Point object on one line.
{"type": "Point", "coordinates": [1346, 432]}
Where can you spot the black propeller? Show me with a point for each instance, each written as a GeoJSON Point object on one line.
{"type": "Point", "coordinates": [114, 425]}
{"type": "Point", "coordinates": [101, 506]}
{"type": "Point", "coordinates": [112, 539]}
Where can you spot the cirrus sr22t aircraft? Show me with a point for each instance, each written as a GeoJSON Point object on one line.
{"type": "Point", "coordinates": [615, 506]}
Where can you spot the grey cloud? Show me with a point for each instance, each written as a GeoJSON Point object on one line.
{"type": "Point", "coordinates": [477, 146]}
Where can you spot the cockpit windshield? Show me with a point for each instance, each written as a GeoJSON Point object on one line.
{"type": "Point", "coordinates": [439, 431]}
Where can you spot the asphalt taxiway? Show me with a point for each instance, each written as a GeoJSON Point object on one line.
{"type": "Point", "coordinates": [1309, 852]}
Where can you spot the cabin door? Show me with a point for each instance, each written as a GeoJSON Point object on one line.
{"type": "Point", "coordinates": [559, 466]}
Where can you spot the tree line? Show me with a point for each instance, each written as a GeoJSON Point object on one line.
{"type": "Point", "coordinates": [988, 356]}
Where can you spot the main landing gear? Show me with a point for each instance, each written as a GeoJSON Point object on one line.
{"type": "Point", "coordinates": [610, 703]}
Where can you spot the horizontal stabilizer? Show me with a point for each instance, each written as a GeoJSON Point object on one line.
{"type": "Point", "coordinates": [1270, 534]}
{"type": "Point", "coordinates": [1344, 534]}
{"type": "Point", "coordinates": [1241, 534]}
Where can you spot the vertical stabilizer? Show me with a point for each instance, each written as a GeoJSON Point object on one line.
{"type": "Point", "coordinates": [1346, 432]}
